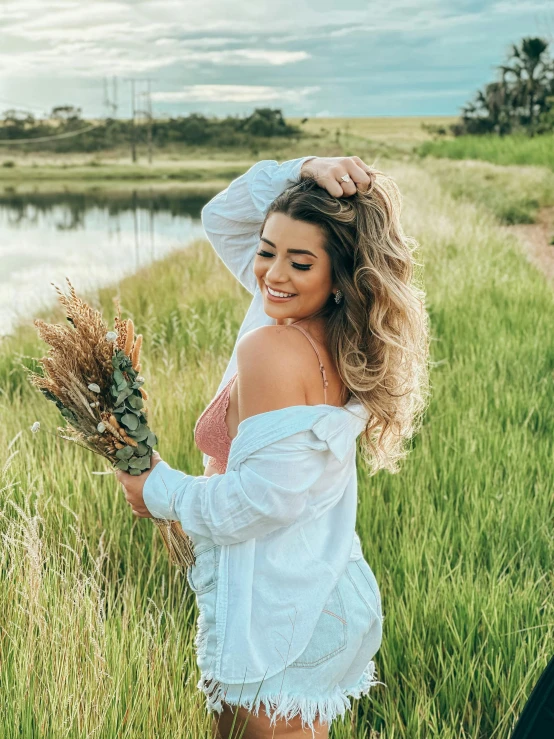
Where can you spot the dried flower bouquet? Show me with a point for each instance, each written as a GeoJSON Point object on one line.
{"type": "Point", "coordinates": [92, 375]}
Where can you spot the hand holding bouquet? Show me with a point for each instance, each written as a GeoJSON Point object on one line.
{"type": "Point", "coordinates": [92, 375]}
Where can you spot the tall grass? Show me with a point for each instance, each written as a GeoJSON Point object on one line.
{"type": "Point", "coordinates": [513, 194]}
{"type": "Point", "coordinates": [512, 149]}
{"type": "Point", "coordinates": [97, 628]}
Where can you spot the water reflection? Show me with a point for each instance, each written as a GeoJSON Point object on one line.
{"type": "Point", "coordinates": [93, 237]}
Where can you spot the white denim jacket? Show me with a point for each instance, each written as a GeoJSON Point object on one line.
{"type": "Point", "coordinates": [283, 514]}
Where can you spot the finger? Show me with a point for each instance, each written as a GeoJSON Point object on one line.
{"type": "Point", "coordinates": [358, 175]}
{"type": "Point", "coordinates": [360, 162]}
{"type": "Point", "coordinates": [330, 183]}
{"type": "Point", "coordinates": [369, 171]}
{"type": "Point", "coordinates": [347, 187]}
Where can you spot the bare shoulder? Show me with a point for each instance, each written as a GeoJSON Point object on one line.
{"type": "Point", "coordinates": [270, 371]}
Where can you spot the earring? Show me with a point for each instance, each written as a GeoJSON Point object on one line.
{"type": "Point", "coordinates": [338, 296]}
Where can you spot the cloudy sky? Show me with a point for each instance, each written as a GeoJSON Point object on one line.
{"type": "Point", "coordinates": [226, 57]}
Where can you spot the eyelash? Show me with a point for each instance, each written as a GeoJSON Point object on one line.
{"type": "Point", "coordinates": [303, 267]}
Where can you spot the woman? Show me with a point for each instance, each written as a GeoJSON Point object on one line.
{"type": "Point", "coordinates": [289, 610]}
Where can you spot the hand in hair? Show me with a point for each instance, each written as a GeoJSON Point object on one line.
{"type": "Point", "coordinates": [327, 171]}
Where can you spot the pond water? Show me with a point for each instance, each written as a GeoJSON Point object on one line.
{"type": "Point", "coordinates": [94, 238]}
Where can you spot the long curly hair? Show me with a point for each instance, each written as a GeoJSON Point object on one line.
{"type": "Point", "coordinates": [378, 335]}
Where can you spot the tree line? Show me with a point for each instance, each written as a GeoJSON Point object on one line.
{"type": "Point", "coordinates": [67, 131]}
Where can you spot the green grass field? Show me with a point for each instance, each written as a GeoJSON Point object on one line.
{"type": "Point", "coordinates": [513, 149]}
{"type": "Point", "coordinates": [98, 628]}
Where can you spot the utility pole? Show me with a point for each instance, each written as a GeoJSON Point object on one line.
{"type": "Point", "coordinates": [149, 108]}
{"type": "Point", "coordinates": [145, 110]}
{"type": "Point", "coordinates": [133, 132]}
{"type": "Point", "coordinates": [106, 101]}
{"type": "Point", "coordinates": [110, 105]}
{"type": "Point", "coordinates": [114, 104]}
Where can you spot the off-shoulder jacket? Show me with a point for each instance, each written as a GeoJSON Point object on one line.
{"type": "Point", "coordinates": [276, 530]}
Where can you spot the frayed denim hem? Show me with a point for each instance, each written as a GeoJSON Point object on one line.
{"type": "Point", "coordinates": [325, 709]}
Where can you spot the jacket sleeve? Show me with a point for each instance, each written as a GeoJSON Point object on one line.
{"type": "Point", "coordinates": [232, 218]}
{"type": "Point", "coordinates": [269, 490]}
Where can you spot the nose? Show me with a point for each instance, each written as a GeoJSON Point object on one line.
{"type": "Point", "coordinates": [276, 273]}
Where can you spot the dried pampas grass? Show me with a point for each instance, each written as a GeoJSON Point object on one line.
{"type": "Point", "coordinates": [92, 375]}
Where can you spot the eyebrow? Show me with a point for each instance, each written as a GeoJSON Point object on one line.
{"type": "Point", "coordinates": [289, 251]}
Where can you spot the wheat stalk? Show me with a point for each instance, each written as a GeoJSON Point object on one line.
{"type": "Point", "coordinates": [91, 374]}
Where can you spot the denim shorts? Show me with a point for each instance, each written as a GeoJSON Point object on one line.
{"type": "Point", "coordinates": [335, 665]}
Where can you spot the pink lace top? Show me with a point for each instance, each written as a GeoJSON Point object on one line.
{"type": "Point", "coordinates": [211, 435]}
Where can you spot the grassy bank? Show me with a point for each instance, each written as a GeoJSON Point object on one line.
{"type": "Point", "coordinates": [98, 629]}
{"type": "Point", "coordinates": [513, 149]}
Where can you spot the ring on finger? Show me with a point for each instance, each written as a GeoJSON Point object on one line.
{"type": "Point", "coordinates": [345, 177]}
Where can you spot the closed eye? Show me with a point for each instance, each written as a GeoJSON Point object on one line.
{"type": "Point", "coordinates": [294, 264]}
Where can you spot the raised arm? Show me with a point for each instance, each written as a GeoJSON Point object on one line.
{"type": "Point", "coordinates": [232, 218]}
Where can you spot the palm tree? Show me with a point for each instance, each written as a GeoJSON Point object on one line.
{"type": "Point", "coordinates": [532, 70]}
{"type": "Point", "coordinates": [523, 96]}
{"type": "Point", "coordinates": [490, 109]}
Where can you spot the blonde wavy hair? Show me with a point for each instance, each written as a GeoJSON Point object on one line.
{"type": "Point", "coordinates": [378, 335]}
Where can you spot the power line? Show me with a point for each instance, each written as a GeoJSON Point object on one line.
{"type": "Point", "coordinates": [50, 138]}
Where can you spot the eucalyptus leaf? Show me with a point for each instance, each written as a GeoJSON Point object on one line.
{"type": "Point", "coordinates": [134, 472]}
{"type": "Point", "coordinates": [126, 409]}
{"type": "Point", "coordinates": [140, 463]}
{"type": "Point", "coordinates": [142, 448]}
{"type": "Point", "coordinates": [122, 464]}
{"type": "Point", "coordinates": [122, 395]}
{"type": "Point", "coordinates": [141, 434]}
{"type": "Point", "coordinates": [130, 421]}
{"type": "Point", "coordinates": [125, 453]}
{"type": "Point", "coordinates": [152, 439]}
{"type": "Point", "coordinates": [118, 376]}
{"type": "Point", "coordinates": [130, 407]}
{"type": "Point", "coordinates": [135, 401]}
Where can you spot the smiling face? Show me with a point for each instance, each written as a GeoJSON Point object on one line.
{"type": "Point", "coordinates": [306, 275]}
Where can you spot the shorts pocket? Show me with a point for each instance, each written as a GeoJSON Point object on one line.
{"type": "Point", "coordinates": [202, 576]}
{"type": "Point", "coordinates": [363, 579]}
{"type": "Point", "coordinates": [330, 635]}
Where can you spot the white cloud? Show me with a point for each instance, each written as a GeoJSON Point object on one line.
{"type": "Point", "coordinates": [82, 60]}
{"type": "Point", "coordinates": [88, 59]}
{"type": "Point", "coordinates": [234, 94]}
{"type": "Point", "coordinates": [248, 57]}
